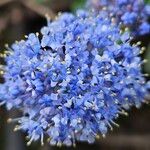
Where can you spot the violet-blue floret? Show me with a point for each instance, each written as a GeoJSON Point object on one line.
{"type": "Point", "coordinates": [133, 14]}
{"type": "Point", "coordinates": [72, 84]}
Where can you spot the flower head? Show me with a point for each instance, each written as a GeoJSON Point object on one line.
{"type": "Point", "coordinates": [133, 14]}
{"type": "Point", "coordinates": [74, 82]}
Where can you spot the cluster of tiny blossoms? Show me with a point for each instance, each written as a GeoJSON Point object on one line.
{"type": "Point", "coordinates": [133, 14]}
{"type": "Point", "coordinates": [73, 83]}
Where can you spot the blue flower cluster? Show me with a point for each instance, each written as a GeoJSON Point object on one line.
{"type": "Point", "coordinates": [75, 81]}
{"type": "Point", "coordinates": [133, 14]}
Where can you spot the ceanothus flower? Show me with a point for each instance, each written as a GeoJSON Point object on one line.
{"type": "Point", "coordinates": [133, 14]}
{"type": "Point", "coordinates": [73, 83]}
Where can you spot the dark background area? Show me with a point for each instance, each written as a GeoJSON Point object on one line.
{"type": "Point", "coordinates": [18, 18]}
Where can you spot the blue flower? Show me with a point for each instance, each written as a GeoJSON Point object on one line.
{"type": "Point", "coordinates": [129, 18]}
{"type": "Point", "coordinates": [132, 14]}
{"type": "Point", "coordinates": [144, 28]}
{"type": "Point", "coordinates": [73, 83]}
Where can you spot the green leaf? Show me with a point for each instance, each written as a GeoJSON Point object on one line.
{"type": "Point", "coordinates": [39, 1]}
{"type": "Point", "coordinates": [78, 4]}
{"type": "Point", "coordinates": [147, 1]}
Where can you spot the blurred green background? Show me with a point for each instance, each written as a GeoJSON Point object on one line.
{"type": "Point", "coordinates": [20, 17]}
